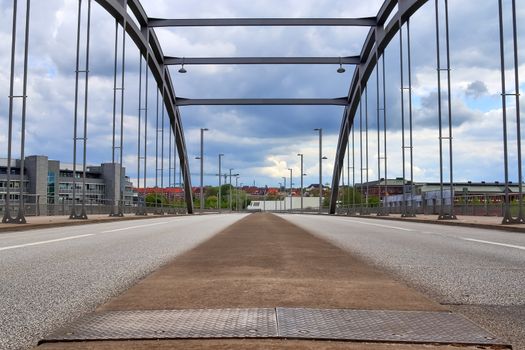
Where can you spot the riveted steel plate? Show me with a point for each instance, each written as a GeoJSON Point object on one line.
{"type": "Point", "coordinates": [172, 324]}
{"type": "Point", "coordinates": [380, 326]}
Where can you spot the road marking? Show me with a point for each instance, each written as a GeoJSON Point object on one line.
{"type": "Point", "coordinates": [379, 225]}
{"type": "Point", "coordinates": [493, 243]}
{"type": "Point", "coordinates": [139, 226]}
{"type": "Point", "coordinates": [45, 242]}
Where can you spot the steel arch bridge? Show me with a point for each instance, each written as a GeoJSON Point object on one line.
{"type": "Point", "coordinates": [392, 17]}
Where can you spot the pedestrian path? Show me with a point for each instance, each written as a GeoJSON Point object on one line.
{"type": "Point", "coordinates": [266, 271]}
{"type": "Point", "coordinates": [42, 222]}
{"type": "Point", "coordinates": [485, 222]}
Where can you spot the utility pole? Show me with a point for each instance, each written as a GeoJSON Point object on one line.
{"type": "Point", "coordinates": [291, 188]}
{"type": "Point", "coordinates": [302, 174]}
{"type": "Point", "coordinates": [219, 203]}
{"type": "Point", "coordinates": [320, 130]}
{"type": "Point", "coordinates": [202, 167]}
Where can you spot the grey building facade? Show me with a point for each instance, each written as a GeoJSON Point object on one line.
{"type": "Point", "coordinates": [48, 185]}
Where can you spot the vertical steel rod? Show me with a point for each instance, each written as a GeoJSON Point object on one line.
{"type": "Point", "coordinates": [113, 143]}
{"type": "Point", "coordinates": [349, 126]}
{"type": "Point", "coordinates": [86, 91]}
{"type": "Point", "coordinates": [146, 98]}
{"type": "Point", "coordinates": [73, 214]}
{"type": "Point", "coordinates": [320, 170]}
{"type": "Point", "coordinates": [157, 144]}
{"type": "Point", "coordinates": [451, 214]}
{"type": "Point", "coordinates": [353, 168]}
{"type": "Point", "coordinates": [520, 217]}
{"type": "Point", "coordinates": [507, 216]}
{"type": "Point", "coordinates": [113, 139]}
{"type": "Point", "coordinates": [140, 207]}
{"type": "Point", "coordinates": [7, 213]}
{"type": "Point", "coordinates": [361, 148]}
{"type": "Point", "coordinates": [162, 122]}
{"type": "Point", "coordinates": [121, 149]}
{"type": "Point", "coordinates": [410, 125]}
{"type": "Point", "coordinates": [402, 79]}
{"type": "Point", "coordinates": [378, 110]}
{"type": "Point", "coordinates": [366, 150]}
{"type": "Point", "coordinates": [384, 134]}
{"type": "Point", "coordinates": [20, 218]}
{"type": "Point", "coordinates": [440, 121]}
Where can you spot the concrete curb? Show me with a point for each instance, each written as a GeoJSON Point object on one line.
{"type": "Point", "coordinates": [29, 226]}
{"type": "Point", "coordinates": [447, 223]}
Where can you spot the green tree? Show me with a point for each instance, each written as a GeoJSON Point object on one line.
{"type": "Point", "coordinates": [155, 199]}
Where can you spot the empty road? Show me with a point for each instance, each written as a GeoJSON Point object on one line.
{"type": "Point", "coordinates": [479, 273]}
{"type": "Point", "coordinates": [52, 276]}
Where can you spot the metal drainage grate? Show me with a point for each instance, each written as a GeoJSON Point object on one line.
{"type": "Point", "coordinates": [166, 324]}
{"type": "Point", "coordinates": [372, 325]}
{"type": "Point", "coordinates": [333, 324]}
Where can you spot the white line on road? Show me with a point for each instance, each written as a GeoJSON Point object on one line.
{"type": "Point", "coordinates": [139, 226]}
{"type": "Point", "coordinates": [379, 225]}
{"type": "Point", "coordinates": [493, 243]}
{"type": "Point", "coordinates": [45, 242]}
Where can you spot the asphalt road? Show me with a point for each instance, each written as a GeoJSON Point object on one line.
{"type": "Point", "coordinates": [50, 277]}
{"type": "Point", "coordinates": [479, 273]}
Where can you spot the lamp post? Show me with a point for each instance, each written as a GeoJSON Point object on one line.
{"type": "Point", "coordinates": [284, 187]}
{"type": "Point", "coordinates": [320, 130]}
{"type": "Point", "coordinates": [302, 174]}
{"type": "Point", "coordinates": [219, 203]}
{"type": "Point", "coordinates": [230, 190]}
{"type": "Point", "coordinates": [202, 167]}
{"type": "Point", "coordinates": [238, 202]}
{"type": "Point", "coordinates": [236, 193]}
{"type": "Point", "coordinates": [291, 183]}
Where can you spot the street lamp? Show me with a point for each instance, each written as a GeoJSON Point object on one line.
{"type": "Point", "coordinates": [230, 190]}
{"type": "Point", "coordinates": [284, 187]}
{"type": "Point", "coordinates": [320, 130]}
{"type": "Point", "coordinates": [219, 203]}
{"type": "Point", "coordinates": [291, 183]}
{"type": "Point", "coordinates": [236, 193]}
{"type": "Point", "coordinates": [302, 174]}
{"type": "Point", "coordinates": [202, 167]}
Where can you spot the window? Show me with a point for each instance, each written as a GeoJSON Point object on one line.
{"type": "Point", "coordinates": [51, 187]}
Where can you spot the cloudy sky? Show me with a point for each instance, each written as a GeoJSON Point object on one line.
{"type": "Point", "coordinates": [261, 143]}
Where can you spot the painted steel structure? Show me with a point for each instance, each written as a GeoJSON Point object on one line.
{"type": "Point", "coordinates": [392, 18]}
{"type": "Point", "coordinates": [148, 44]}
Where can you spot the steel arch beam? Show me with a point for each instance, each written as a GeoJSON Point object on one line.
{"type": "Point", "coordinates": [263, 22]}
{"type": "Point", "coordinates": [148, 45]}
{"type": "Point", "coordinates": [377, 40]}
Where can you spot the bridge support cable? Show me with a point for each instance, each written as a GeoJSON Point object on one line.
{"type": "Point", "coordinates": [20, 217]}
{"type": "Point", "coordinates": [446, 211]}
{"type": "Point", "coordinates": [121, 149]}
{"type": "Point", "coordinates": [82, 214]}
{"type": "Point", "coordinates": [408, 211]}
{"type": "Point", "coordinates": [162, 154]}
{"type": "Point", "coordinates": [385, 159]}
{"type": "Point", "coordinates": [361, 209]}
{"type": "Point", "coordinates": [366, 169]}
{"type": "Point", "coordinates": [141, 204]}
{"type": "Point", "coordinates": [507, 214]}
{"type": "Point", "coordinates": [117, 207]}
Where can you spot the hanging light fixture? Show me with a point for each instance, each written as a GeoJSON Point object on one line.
{"type": "Point", "coordinates": [341, 69]}
{"type": "Point", "coordinates": [182, 69]}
